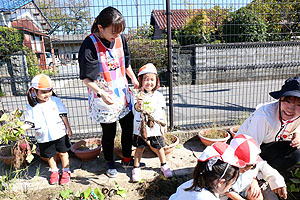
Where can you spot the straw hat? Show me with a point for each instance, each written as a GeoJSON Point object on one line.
{"type": "Point", "coordinates": [291, 87]}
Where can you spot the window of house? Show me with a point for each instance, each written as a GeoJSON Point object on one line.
{"type": "Point", "coordinates": [36, 43]}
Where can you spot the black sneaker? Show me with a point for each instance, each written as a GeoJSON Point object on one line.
{"type": "Point", "coordinates": [131, 164]}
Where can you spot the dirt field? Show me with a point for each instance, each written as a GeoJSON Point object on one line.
{"type": "Point", "coordinates": [33, 183]}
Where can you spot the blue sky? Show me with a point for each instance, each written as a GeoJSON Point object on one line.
{"type": "Point", "coordinates": [129, 7]}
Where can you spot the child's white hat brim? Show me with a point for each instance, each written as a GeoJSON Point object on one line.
{"type": "Point", "coordinates": [149, 68]}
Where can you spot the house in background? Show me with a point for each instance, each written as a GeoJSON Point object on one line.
{"type": "Point", "coordinates": [178, 19]}
{"type": "Point", "coordinates": [66, 47]}
{"type": "Point", "coordinates": [25, 15]}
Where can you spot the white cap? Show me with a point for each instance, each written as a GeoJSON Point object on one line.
{"type": "Point", "coordinates": [41, 82]}
{"type": "Point", "coordinates": [147, 69]}
{"type": "Point", "coordinates": [246, 149]}
{"type": "Point", "coordinates": [222, 151]}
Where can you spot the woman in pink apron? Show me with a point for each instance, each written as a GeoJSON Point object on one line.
{"type": "Point", "coordinates": [104, 61]}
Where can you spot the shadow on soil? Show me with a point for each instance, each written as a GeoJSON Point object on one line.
{"type": "Point", "coordinates": [161, 188]}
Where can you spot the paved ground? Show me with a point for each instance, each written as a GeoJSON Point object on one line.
{"type": "Point", "coordinates": [182, 160]}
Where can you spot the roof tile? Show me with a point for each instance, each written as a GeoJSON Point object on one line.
{"type": "Point", "coordinates": [178, 18]}
{"type": "Point", "coordinates": [12, 5]}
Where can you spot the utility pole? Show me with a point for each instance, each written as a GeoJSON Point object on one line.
{"type": "Point", "coordinates": [170, 68]}
{"type": "Point", "coordinates": [137, 13]}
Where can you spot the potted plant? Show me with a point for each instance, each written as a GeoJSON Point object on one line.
{"type": "Point", "coordinates": [88, 149]}
{"type": "Point", "coordinates": [234, 129]}
{"type": "Point", "coordinates": [212, 135]}
{"type": "Point", "coordinates": [16, 149]}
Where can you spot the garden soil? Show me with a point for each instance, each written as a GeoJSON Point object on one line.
{"type": "Point", "coordinates": [33, 183]}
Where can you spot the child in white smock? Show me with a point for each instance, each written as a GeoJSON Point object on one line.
{"type": "Point", "coordinates": [48, 116]}
{"type": "Point", "coordinates": [216, 170]}
{"type": "Point", "coordinates": [149, 106]}
{"type": "Point", "coordinates": [253, 168]}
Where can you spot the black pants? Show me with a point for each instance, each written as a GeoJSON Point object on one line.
{"type": "Point", "coordinates": [109, 132]}
{"type": "Point", "coordinates": [280, 155]}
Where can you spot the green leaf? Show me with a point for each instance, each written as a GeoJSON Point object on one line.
{"type": "Point", "coordinates": [19, 123]}
{"type": "Point", "coordinates": [77, 194]}
{"type": "Point", "coordinates": [33, 148]}
{"type": "Point", "coordinates": [20, 113]}
{"type": "Point", "coordinates": [297, 173]}
{"type": "Point", "coordinates": [121, 192]}
{"type": "Point", "coordinates": [148, 109]}
{"type": "Point", "coordinates": [295, 180]}
{"type": "Point", "coordinates": [293, 188]}
{"type": "Point", "coordinates": [65, 194]}
{"type": "Point", "coordinates": [29, 158]}
{"type": "Point", "coordinates": [4, 117]}
{"type": "Point", "coordinates": [99, 194]}
{"type": "Point", "coordinates": [87, 193]}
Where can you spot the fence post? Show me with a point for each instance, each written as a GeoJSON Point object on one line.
{"type": "Point", "coordinates": [170, 69]}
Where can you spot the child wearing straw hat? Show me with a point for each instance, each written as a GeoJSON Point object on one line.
{"type": "Point", "coordinates": [48, 116]}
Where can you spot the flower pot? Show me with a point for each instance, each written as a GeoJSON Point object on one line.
{"type": "Point", "coordinates": [207, 141]}
{"type": "Point", "coordinates": [84, 151]}
{"type": "Point", "coordinates": [169, 147]}
{"type": "Point", "coordinates": [233, 130]}
{"type": "Point", "coordinates": [56, 157]}
{"type": "Point", "coordinates": [10, 159]}
{"type": "Point", "coordinates": [4, 155]}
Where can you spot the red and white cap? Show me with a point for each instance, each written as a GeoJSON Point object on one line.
{"type": "Point", "coordinates": [149, 68]}
{"type": "Point", "coordinates": [41, 82]}
{"type": "Point", "coordinates": [222, 151]}
{"type": "Point", "coordinates": [246, 149]}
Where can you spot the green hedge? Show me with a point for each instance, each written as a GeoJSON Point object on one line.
{"type": "Point", "coordinates": [11, 40]}
{"type": "Point", "coordinates": [195, 31]}
{"type": "Point", "coordinates": [143, 51]}
{"type": "Point", "coordinates": [244, 25]}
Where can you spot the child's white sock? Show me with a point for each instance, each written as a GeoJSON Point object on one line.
{"type": "Point", "coordinates": [53, 170]}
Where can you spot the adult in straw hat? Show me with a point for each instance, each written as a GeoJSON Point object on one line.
{"type": "Point", "coordinates": [275, 127]}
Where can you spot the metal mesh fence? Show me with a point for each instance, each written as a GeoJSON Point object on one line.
{"type": "Point", "coordinates": [226, 55]}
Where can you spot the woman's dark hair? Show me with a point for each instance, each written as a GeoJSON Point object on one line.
{"type": "Point", "coordinates": [140, 79]}
{"type": "Point", "coordinates": [204, 178]}
{"type": "Point", "coordinates": [286, 98]}
{"type": "Point", "coordinates": [32, 99]}
{"type": "Point", "coordinates": [109, 16]}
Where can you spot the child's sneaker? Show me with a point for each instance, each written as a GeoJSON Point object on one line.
{"type": "Point", "coordinates": [166, 170]}
{"type": "Point", "coordinates": [65, 178]}
{"type": "Point", "coordinates": [136, 174]}
{"type": "Point", "coordinates": [54, 178]}
{"type": "Point", "coordinates": [131, 164]}
{"type": "Point", "coordinates": [111, 171]}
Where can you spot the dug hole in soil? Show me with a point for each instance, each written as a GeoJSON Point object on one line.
{"type": "Point", "coordinates": [33, 184]}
